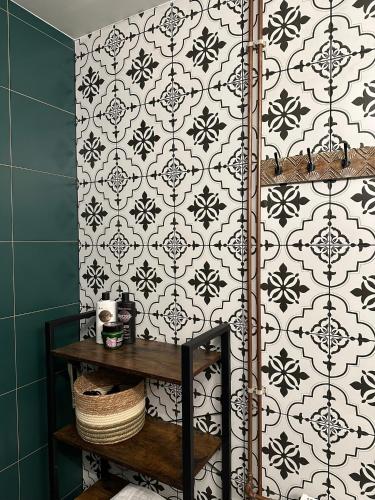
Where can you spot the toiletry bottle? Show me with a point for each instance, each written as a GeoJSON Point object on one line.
{"type": "Point", "coordinates": [106, 310]}
{"type": "Point", "coordinates": [126, 314]}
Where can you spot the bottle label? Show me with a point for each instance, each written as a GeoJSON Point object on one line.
{"type": "Point", "coordinates": [126, 332]}
{"type": "Point", "coordinates": [124, 316]}
{"type": "Point", "coordinates": [111, 342]}
{"type": "Point", "coordinates": [105, 316]}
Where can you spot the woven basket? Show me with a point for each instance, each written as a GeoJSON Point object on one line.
{"type": "Point", "coordinates": [109, 419]}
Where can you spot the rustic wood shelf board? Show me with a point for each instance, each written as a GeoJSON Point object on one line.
{"type": "Point", "coordinates": [328, 165]}
{"type": "Point", "coordinates": [104, 489]}
{"type": "Point", "coordinates": [156, 451]}
{"type": "Point", "coordinates": [146, 358]}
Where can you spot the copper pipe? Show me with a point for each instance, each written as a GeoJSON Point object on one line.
{"type": "Point", "coordinates": [250, 59]}
{"type": "Point", "coordinates": [258, 243]}
{"type": "Point", "coordinates": [249, 487]}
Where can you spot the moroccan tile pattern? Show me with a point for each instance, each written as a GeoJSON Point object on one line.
{"type": "Point", "coordinates": [318, 75]}
{"type": "Point", "coordinates": [38, 244]}
{"type": "Point", "coordinates": [318, 252]}
{"type": "Point", "coordinates": [319, 340]}
{"type": "Point", "coordinates": [162, 168]}
{"type": "Point", "coordinates": [161, 159]}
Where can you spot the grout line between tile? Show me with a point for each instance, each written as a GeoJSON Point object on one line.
{"type": "Point", "coordinates": [289, 415]}
{"type": "Point", "coordinates": [31, 383]}
{"type": "Point", "coordinates": [305, 333]}
{"type": "Point", "coordinates": [22, 386]}
{"type": "Point", "coordinates": [46, 22]}
{"type": "Point", "coordinates": [142, 12]}
{"type": "Point", "coordinates": [329, 354]}
{"type": "Point", "coordinates": [247, 375]}
{"type": "Point", "coordinates": [82, 184]}
{"type": "Point", "coordinates": [8, 466]}
{"type": "Point", "coordinates": [146, 245]}
{"type": "Point", "coordinates": [77, 212]}
{"type": "Point", "coordinates": [306, 64]}
{"type": "Point", "coordinates": [6, 317]}
{"type": "Point", "coordinates": [46, 310]}
{"type": "Point", "coordinates": [38, 100]}
{"type": "Point", "coordinates": [192, 93]}
{"type": "Point", "coordinates": [116, 23]}
{"type": "Point", "coordinates": [7, 392]}
{"type": "Point", "coordinates": [33, 452]}
{"type": "Point", "coordinates": [20, 315]}
{"type": "Point", "coordinates": [44, 241]}
{"type": "Point", "coordinates": [198, 320]}
{"type": "Point", "coordinates": [79, 486]}
{"type": "Point", "coordinates": [13, 258]}
{"type": "Point", "coordinates": [40, 31]}
{"type": "Point", "coordinates": [73, 178]}
{"type": "Point", "coordinates": [330, 85]}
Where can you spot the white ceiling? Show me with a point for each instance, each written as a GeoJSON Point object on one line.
{"type": "Point", "coordinates": [79, 17]}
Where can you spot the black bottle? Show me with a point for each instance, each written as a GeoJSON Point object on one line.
{"type": "Point", "coordinates": [126, 313]}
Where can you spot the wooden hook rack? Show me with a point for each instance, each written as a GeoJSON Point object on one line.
{"type": "Point", "coordinates": [328, 165]}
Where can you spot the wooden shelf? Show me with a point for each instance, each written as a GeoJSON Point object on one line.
{"type": "Point", "coordinates": [104, 489]}
{"type": "Point", "coordinates": [146, 358]}
{"type": "Point", "coordinates": [156, 451]}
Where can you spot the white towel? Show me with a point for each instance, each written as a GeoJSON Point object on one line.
{"type": "Point", "coordinates": [132, 492]}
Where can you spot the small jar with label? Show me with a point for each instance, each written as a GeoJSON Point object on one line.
{"type": "Point", "coordinates": [112, 335]}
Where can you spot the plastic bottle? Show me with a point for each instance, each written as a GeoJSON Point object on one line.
{"type": "Point", "coordinates": [126, 314]}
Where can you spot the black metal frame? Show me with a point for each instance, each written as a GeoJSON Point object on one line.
{"type": "Point", "coordinates": [51, 396]}
{"type": "Point", "coordinates": [187, 355]}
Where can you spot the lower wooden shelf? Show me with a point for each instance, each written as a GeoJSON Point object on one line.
{"type": "Point", "coordinates": [104, 489]}
{"type": "Point", "coordinates": [156, 451]}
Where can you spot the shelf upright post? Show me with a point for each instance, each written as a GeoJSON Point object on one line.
{"type": "Point", "coordinates": [226, 414]}
{"type": "Point", "coordinates": [187, 353]}
{"type": "Point", "coordinates": [187, 421]}
{"type": "Point", "coordinates": [49, 331]}
{"type": "Point", "coordinates": [51, 411]}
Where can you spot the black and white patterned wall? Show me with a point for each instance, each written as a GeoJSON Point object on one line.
{"type": "Point", "coordinates": [162, 160]}
{"type": "Point", "coordinates": [161, 166]}
{"type": "Point", "coordinates": [318, 255]}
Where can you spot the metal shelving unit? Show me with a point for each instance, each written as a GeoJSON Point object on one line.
{"type": "Point", "coordinates": [178, 453]}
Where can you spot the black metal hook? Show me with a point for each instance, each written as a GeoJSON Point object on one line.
{"type": "Point", "coordinates": [345, 162]}
{"type": "Point", "coordinates": [278, 167]}
{"type": "Point", "coordinates": [310, 164]}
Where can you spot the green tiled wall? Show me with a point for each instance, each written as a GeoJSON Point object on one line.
{"type": "Point", "coordinates": [38, 245]}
